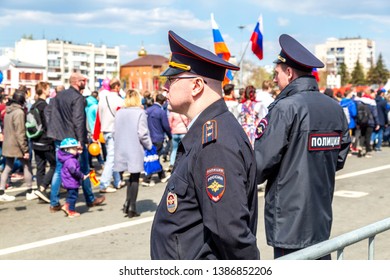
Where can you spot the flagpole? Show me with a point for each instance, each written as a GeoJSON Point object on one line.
{"type": "Point", "coordinates": [240, 64]}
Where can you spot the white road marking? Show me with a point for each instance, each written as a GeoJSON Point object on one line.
{"type": "Point", "coordinates": [17, 189]}
{"type": "Point", "coordinates": [86, 233]}
{"type": "Point", "coordinates": [349, 194]}
{"type": "Point", "coordinates": [76, 235]}
{"type": "Point", "coordinates": [362, 172]}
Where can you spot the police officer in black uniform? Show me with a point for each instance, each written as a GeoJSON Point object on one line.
{"type": "Point", "coordinates": [209, 207]}
{"type": "Point", "coordinates": [300, 145]}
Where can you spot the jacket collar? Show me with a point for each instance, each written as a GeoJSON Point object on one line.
{"type": "Point", "coordinates": [194, 133]}
{"type": "Point", "coordinates": [75, 89]}
{"type": "Point", "coordinates": [300, 84]}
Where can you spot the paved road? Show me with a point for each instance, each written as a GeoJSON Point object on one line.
{"type": "Point", "coordinates": [29, 231]}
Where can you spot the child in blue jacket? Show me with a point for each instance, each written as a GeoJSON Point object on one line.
{"type": "Point", "coordinates": [71, 175]}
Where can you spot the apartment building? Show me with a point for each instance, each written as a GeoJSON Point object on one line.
{"type": "Point", "coordinates": [347, 50]}
{"type": "Point", "coordinates": [61, 58]}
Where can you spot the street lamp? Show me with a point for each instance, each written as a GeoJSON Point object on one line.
{"type": "Point", "coordinates": [241, 27]}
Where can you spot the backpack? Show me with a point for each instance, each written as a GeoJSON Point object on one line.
{"type": "Point", "coordinates": [363, 114]}
{"type": "Point", "coordinates": [34, 126]}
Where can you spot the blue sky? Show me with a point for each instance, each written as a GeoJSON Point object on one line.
{"type": "Point", "coordinates": [131, 23]}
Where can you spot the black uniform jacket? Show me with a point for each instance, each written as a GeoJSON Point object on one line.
{"type": "Point", "coordinates": [209, 208]}
{"type": "Point", "coordinates": [302, 142]}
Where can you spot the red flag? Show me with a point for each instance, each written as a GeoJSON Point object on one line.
{"type": "Point", "coordinates": [96, 129]}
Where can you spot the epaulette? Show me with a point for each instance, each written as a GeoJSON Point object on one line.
{"type": "Point", "coordinates": [209, 131]}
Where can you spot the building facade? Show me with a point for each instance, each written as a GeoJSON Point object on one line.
{"type": "Point", "coordinates": [348, 50]}
{"type": "Point", "coordinates": [62, 58]}
{"type": "Point", "coordinates": [22, 73]}
{"type": "Point", "coordinates": [144, 72]}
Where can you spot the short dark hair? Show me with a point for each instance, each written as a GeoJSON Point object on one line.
{"type": "Point", "coordinates": [23, 88]}
{"type": "Point", "coordinates": [19, 97]}
{"type": "Point", "coordinates": [95, 93]}
{"type": "Point", "coordinates": [160, 98]}
{"type": "Point", "coordinates": [228, 88]}
{"type": "Point", "coordinates": [329, 92]}
{"type": "Point", "coordinates": [39, 87]}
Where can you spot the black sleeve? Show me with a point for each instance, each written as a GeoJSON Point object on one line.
{"type": "Point", "coordinates": [228, 218]}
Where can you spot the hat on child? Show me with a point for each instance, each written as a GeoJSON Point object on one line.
{"type": "Point", "coordinates": [68, 143]}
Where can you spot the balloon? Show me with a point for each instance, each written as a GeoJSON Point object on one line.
{"type": "Point", "coordinates": [94, 149]}
{"type": "Point", "coordinates": [4, 62]}
{"type": "Point", "coordinates": [106, 84]}
{"type": "Point", "coordinates": [101, 138]}
{"type": "Point", "coordinates": [1, 77]}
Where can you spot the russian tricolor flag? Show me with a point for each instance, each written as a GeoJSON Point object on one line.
{"type": "Point", "coordinates": [257, 39]}
{"type": "Point", "coordinates": [221, 48]}
{"type": "Point", "coordinates": [315, 74]}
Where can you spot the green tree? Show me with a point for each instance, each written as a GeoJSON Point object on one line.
{"type": "Point", "coordinates": [381, 72]}
{"type": "Point", "coordinates": [344, 74]}
{"type": "Point", "coordinates": [323, 76]}
{"type": "Point", "coordinates": [372, 76]}
{"type": "Point", "coordinates": [378, 75]}
{"type": "Point", "coordinates": [257, 75]}
{"type": "Point", "coordinates": [28, 37]}
{"type": "Point", "coordinates": [357, 76]}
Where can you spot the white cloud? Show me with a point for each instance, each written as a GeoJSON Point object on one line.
{"type": "Point", "coordinates": [382, 20]}
{"type": "Point", "coordinates": [131, 20]}
{"type": "Point", "coordinates": [283, 21]}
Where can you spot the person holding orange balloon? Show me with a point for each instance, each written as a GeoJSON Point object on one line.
{"type": "Point", "coordinates": [91, 111]}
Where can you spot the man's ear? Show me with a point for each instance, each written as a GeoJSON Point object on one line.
{"type": "Point", "coordinates": [290, 74]}
{"type": "Point", "coordinates": [197, 86]}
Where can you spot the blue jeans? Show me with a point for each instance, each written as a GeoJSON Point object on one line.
{"type": "Point", "coordinates": [71, 198]}
{"type": "Point", "coordinates": [108, 172]}
{"type": "Point", "coordinates": [377, 135]}
{"type": "Point", "coordinates": [56, 181]}
{"type": "Point", "coordinates": [176, 138]}
{"type": "Point", "coordinates": [17, 167]}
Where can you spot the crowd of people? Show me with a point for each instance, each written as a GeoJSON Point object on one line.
{"type": "Point", "coordinates": [368, 116]}
{"type": "Point", "coordinates": [104, 117]}
{"type": "Point", "coordinates": [220, 146]}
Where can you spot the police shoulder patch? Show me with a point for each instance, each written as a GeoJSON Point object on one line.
{"type": "Point", "coordinates": [261, 128]}
{"type": "Point", "coordinates": [324, 141]}
{"type": "Point", "coordinates": [215, 183]}
{"type": "Point", "coordinates": [209, 131]}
